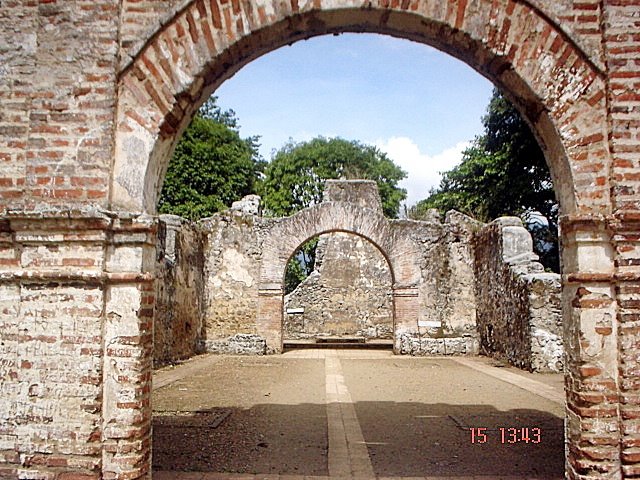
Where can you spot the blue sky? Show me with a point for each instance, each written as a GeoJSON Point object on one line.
{"type": "Point", "coordinates": [420, 106]}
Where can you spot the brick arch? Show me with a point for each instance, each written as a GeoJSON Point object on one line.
{"type": "Point", "coordinates": [554, 83]}
{"type": "Point", "coordinates": [286, 236]}
{"type": "Point", "coordinates": [338, 230]}
{"type": "Point", "coordinates": [551, 80]}
{"type": "Point", "coordinates": [327, 217]}
{"type": "Point", "coordinates": [91, 106]}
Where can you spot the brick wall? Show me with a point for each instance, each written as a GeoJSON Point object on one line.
{"type": "Point", "coordinates": [58, 95]}
{"type": "Point", "coordinates": [57, 287]}
{"type": "Point", "coordinates": [88, 119]}
{"type": "Point", "coordinates": [621, 27]}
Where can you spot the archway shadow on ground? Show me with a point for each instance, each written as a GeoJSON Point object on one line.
{"type": "Point", "coordinates": [404, 439]}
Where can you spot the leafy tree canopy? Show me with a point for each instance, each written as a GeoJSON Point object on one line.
{"type": "Point", "coordinates": [294, 179]}
{"type": "Point", "coordinates": [211, 167]}
{"type": "Point", "coordinates": [503, 172]}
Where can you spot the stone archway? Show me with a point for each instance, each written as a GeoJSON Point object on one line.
{"type": "Point", "coordinates": [360, 214]}
{"type": "Point", "coordinates": [554, 82]}
{"type": "Point", "coordinates": [346, 295]}
{"type": "Point", "coordinates": [95, 94]}
{"type": "Point", "coordinates": [552, 75]}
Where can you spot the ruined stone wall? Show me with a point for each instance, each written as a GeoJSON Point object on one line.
{"type": "Point", "coordinates": [545, 313]}
{"type": "Point", "coordinates": [519, 310]}
{"type": "Point", "coordinates": [210, 302]}
{"type": "Point", "coordinates": [351, 293]}
{"type": "Point", "coordinates": [447, 316]}
{"type": "Point", "coordinates": [180, 294]}
{"type": "Point", "coordinates": [232, 255]}
{"type": "Point", "coordinates": [347, 294]}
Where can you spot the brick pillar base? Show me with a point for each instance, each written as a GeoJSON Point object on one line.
{"type": "Point", "coordinates": [128, 349]}
{"type": "Point", "coordinates": [76, 309]}
{"type": "Point", "coordinates": [406, 307]}
{"type": "Point", "coordinates": [269, 317]}
{"type": "Point", "coordinates": [589, 314]}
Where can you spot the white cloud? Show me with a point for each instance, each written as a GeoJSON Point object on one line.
{"type": "Point", "coordinates": [424, 171]}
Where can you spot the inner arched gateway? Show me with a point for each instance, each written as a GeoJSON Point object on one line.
{"type": "Point", "coordinates": [347, 295]}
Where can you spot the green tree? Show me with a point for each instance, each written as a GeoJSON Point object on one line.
{"type": "Point", "coordinates": [503, 172]}
{"type": "Point", "coordinates": [294, 179]}
{"type": "Point", "coordinates": [211, 167]}
{"type": "Point", "coordinates": [300, 265]}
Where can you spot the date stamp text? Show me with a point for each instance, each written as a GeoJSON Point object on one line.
{"type": "Point", "coordinates": [505, 435]}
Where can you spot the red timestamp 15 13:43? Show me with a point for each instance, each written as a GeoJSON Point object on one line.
{"type": "Point", "coordinates": [507, 435]}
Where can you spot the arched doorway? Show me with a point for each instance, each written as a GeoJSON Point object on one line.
{"type": "Point", "coordinates": [548, 76]}
{"type": "Point", "coordinates": [364, 220]}
{"type": "Point", "coordinates": [343, 295]}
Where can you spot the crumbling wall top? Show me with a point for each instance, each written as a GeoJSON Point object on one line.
{"type": "Point", "coordinates": [363, 193]}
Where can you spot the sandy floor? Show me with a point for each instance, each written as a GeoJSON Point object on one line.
{"type": "Point", "coordinates": [269, 415]}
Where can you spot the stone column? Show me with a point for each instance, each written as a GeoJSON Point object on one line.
{"type": "Point", "coordinates": [406, 307]}
{"type": "Point", "coordinates": [591, 348]}
{"type": "Point", "coordinates": [269, 317]}
{"type": "Point", "coordinates": [128, 348]}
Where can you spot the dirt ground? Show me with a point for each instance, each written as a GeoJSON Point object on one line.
{"type": "Point", "coordinates": [274, 418]}
{"type": "Point", "coordinates": [268, 415]}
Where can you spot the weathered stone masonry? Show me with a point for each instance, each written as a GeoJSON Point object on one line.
{"type": "Point", "coordinates": [429, 268]}
{"type": "Point", "coordinates": [518, 303]}
{"type": "Point", "coordinates": [233, 254]}
{"type": "Point", "coordinates": [93, 96]}
{"type": "Point", "coordinates": [476, 285]}
{"type": "Point", "coordinates": [446, 287]}
{"type": "Point", "coordinates": [347, 294]}
{"type": "Point", "coordinates": [180, 290]}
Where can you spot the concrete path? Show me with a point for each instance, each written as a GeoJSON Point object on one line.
{"type": "Point", "coordinates": [348, 454]}
{"type": "Point", "coordinates": [354, 414]}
